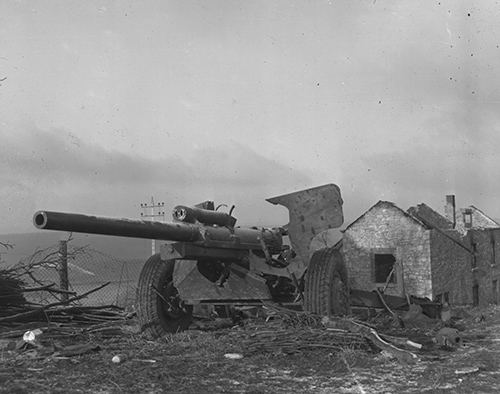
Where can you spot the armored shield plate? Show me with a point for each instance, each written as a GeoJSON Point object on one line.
{"type": "Point", "coordinates": [311, 211]}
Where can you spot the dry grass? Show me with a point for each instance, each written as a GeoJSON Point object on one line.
{"type": "Point", "coordinates": [194, 362]}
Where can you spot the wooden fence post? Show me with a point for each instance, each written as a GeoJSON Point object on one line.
{"type": "Point", "coordinates": [63, 268]}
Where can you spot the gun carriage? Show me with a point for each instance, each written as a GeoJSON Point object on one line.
{"type": "Point", "coordinates": [206, 258]}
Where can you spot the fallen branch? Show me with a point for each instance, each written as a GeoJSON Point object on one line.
{"type": "Point", "coordinates": [388, 279]}
{"type": "Point", "coordinates": [346, 331]}
{"type": "Point", "coordinates": [372, 335]}
{"type": "Point", "coordinates": [47, 288]}
{"type": "Point", "coordinates": [395, 316]}
{"type": "Point", "coordinates": [48, 306]}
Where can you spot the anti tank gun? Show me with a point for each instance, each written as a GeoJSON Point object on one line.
{"type": "Point", "coordinates": [206, 258]}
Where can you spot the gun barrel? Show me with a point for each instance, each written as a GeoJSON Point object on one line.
{"type": "Point", "coordinates": [73, 222]}
{"type": "Point", "coordinates": [185, 214]}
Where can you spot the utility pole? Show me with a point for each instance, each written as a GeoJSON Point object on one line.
{"type": "Point", "coordinates": [153, 210]}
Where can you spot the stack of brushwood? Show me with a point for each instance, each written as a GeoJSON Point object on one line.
{"type": "Point", "coordinates": [289, 332]}
{"type": "Point", "coordinates": [71, 321]}
{"type": "Point", "coordinates": [62, 317]}
{"type": "Point", "coordinates": [11, 293]}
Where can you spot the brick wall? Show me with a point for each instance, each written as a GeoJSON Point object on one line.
{"type": "Point", "coordinates": [386, 227]}
{"type": "Point", "coordinates": [451, 269]}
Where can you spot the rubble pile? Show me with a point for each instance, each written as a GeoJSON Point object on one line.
{"type": "Point", "coordinates": [62, 318]}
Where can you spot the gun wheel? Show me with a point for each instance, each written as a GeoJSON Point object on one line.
{"type": "Point", "coordinates": [159, 307]}
{"type": "Point", "coordinates": [326, 289]}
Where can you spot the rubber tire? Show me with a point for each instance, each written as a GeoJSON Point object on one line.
{"type": "Point", "coordinates": [153, 318]}
{"type": "Point", "coordinates": [326, 290]}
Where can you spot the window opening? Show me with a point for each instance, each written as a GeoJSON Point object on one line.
{"type": "Point", "coordinates": [474, 257]}
{"type": "Point", "coordinates": [446, 297]}
{"type": "Point", "coordinates": [384, 267]}
{"type": "Point", "coordinates": [468, 218]}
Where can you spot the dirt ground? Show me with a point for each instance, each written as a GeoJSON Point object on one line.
{"type": "Point", "coordinates": [195, 362]}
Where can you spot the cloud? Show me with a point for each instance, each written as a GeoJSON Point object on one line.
{"type": "Point", "coordinates": [57, 170]}
{"type": "Point", "coordinates": [59, 156]}
{"type": "Point", "coordinates": [387, 108]}
{"type": "Point", "coordinates": [455, 152]}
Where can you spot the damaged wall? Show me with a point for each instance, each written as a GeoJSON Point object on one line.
{"type": "Point", "coordinates": [461, 265]}
{"type": "Point", "coordinates": [473, 218]}
{"type": "Point", "coordinates": [387, 229]}
{"type": "Point", "coordinates": [451, 270]}
{"type": "Point", "coordinates": [485, 266]}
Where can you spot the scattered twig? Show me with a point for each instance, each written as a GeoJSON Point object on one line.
{"type": "Point", "coordinates": [47, 288]}
{"type": "Point", "coordinates": [48, 306]}
{"type": "Point", "coordinates": [373, 336]}
{"type": "Point", "coordinates": [6, 245]}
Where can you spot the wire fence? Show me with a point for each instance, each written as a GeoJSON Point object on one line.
{"type": "Point", "coordinates": [87, 269]}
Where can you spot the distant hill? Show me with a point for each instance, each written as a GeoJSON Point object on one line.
{"type": "Point", "coordinates": [106, 259]}
{"type": "Point", "coordinates": [119, 247]}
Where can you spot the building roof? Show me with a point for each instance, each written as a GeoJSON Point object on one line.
{"type": "Point", "coordinates": [389, 205]}
{"type": "Point", "coordinates": [430, 217]}
{"type": "Point", "coordinates": [426, 224]}
{"type": "Point", "coordinates": [484, 215]}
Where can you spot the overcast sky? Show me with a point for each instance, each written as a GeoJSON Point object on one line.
{"type": "Point", "coordinates": [106, 103]}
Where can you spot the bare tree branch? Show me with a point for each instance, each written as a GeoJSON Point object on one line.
{"type": "Point", "coordinates": [6, 245]}
{"type": "Point", "coordinates": [45, 307]}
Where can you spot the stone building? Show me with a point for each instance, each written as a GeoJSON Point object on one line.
{"type": "Point", "coordinates": [421, 252]}
{"type": "Point", "coordinates": [465, 219]}
{"type": "Point", "coordinates": [485, 265]}
{"type": "Point", "coordinates": [396, 251]}
{"type": "Point", "coordinates": [482, 233]}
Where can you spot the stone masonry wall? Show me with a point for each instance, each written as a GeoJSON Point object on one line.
{"type": "Point", "coordinates": [479, 220]}
{"type": "Point", "coordinates": [487, 263]}
{"type": "Point", "coordinates": [385, 226]}
{"type": "Point", "coordinates": [451, 269]}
